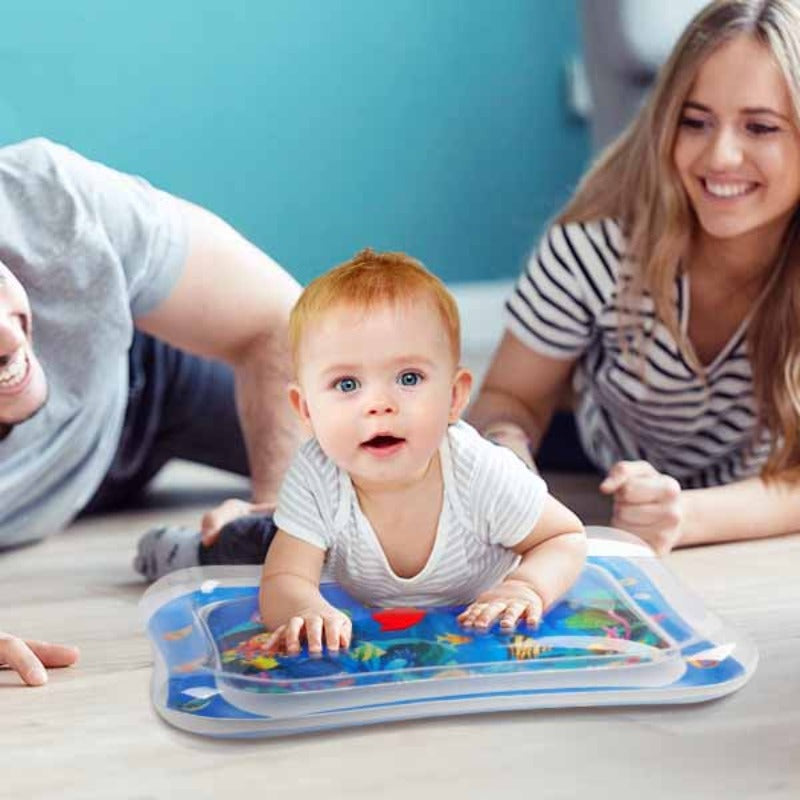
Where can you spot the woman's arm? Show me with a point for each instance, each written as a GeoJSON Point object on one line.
{"type": "Point", "coordinates": [518, 396]}
{"type": "Point", "coordinates": [652, 505]}
{"type": "Point", "coordinates": [748, 509]}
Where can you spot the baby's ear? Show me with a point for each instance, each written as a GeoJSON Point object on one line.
{"type": "Point", "coordinates": [462, 386]}
{"type": "Point", "coordinates": [299, 405]}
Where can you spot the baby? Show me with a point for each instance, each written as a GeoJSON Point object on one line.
{"type": "Point", "coordinates": [403, 503]}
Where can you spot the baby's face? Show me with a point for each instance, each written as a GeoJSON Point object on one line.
{"type": "Point", "coordinates": [378, 389]}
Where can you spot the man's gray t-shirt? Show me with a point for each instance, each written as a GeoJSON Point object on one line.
{"type": "Point", "coordinates": [93, 249]}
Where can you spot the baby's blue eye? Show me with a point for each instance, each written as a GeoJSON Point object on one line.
{"type": "Point", "coordinates": [346, 384]}
{"type": "Point", "coordinates": [409, 378]}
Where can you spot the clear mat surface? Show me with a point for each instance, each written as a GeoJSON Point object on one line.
{"type": "Point", "coordinates": [626, 633]}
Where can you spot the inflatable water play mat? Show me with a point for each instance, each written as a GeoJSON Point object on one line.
{"type": "Point", "coordinates": [626, 633]}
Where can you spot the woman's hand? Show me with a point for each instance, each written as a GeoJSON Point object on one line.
{"type": "Point", "coordinates": [511, 601]}
{"type": "Point", "coordinates": [647, 503]}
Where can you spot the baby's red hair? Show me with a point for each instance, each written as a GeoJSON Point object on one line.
{"type": "Point", "coordinates": [369, 280]}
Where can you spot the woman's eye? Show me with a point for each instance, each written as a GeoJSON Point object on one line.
{"type": "Point", "coordinates": [692, 122]}
{"type": "Point", "coordinates": [760, 128]}
{"type": "Point", "coordinates": [409, 378]}
{"type": "Point", "coordinates": [346, 384]}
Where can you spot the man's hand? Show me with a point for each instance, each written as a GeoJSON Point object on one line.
{"type": "Point", "coordinates": [647, 503]}
{"type": "Point", "coordinates": [30, 658]}
{"type": "Point", "coordinates": [215, 520]}
{"type": "Point", "coordinates": [512, 601]}
{"type": "Point", "coordinates": [331, 624]}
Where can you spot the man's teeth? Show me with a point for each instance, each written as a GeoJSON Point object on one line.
{"type": "Point", "coordinates": [728, 189]}
{"type": "Point", "coordinates": [14, 371]}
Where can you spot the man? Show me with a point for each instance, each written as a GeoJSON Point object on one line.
{"type": "Point", "coordinates": [114, 297]}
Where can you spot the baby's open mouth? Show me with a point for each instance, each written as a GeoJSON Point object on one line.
{"type": "Point", "coordinates": [382, 441]}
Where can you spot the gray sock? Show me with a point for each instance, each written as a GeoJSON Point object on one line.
{"type": "Point", "coordinates": [165, 549]}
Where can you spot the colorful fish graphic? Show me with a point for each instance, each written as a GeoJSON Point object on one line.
{"type": "Point", "coordinates": [398, 619]}
{"type": "Point", "coordinates": [453, 638]}
{"type": "Point", "coordinates": [263, 663]}
{"type": "Point", "coordinates": [452, 673]}
{"type": "Point", "coordinates": [609, 622]}
{"type": "Point", "coordinates": [601, 649]}
{"type": "Point", "coordinates": [524, 648]}
{"type": "Point", "coordinates": [708, 659]}
{"type": "Point", "coordinates": [195, 704]}
{"type": "Point", "coordinates": [190, 666]}
{"type": "Point", "coordinates": [403, 653]}
{"type": "Point", "coordinates": [178, 634]}
{"type": "Point", "coordinates": [366, 651]}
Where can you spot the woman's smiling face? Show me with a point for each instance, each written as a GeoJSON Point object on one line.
{"type": "Point", "coordinates": [737, 150]}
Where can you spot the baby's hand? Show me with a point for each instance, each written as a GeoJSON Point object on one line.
{"type": "Point", "coordinates": [510, 600]}
{"type": "Point", "coordinates": [332, 624]}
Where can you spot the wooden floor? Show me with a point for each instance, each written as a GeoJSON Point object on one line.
{"type": "Point", "coordinates": [91, 733]}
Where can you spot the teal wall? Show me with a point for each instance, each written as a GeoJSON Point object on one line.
{"type": "Point", "coordinates": [317, 127]}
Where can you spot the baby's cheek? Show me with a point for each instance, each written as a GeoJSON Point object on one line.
{"type": "Point", "coordinates": [339, 442]}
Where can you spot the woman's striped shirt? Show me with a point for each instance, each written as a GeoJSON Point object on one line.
{"type": "Point", "coordinates": [699, 429]}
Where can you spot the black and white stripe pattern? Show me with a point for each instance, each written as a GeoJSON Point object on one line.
{"type": "Point", "coordinates": [491, 503]}
{"type": "Point", "coordinates": [699, 429]}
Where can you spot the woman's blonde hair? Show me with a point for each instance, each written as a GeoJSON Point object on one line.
{"type": "Point", "coordinates": [635, 181]}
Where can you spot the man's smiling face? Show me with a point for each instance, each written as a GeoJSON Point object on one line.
{"type": "Point", "coordinates": [23, 387]}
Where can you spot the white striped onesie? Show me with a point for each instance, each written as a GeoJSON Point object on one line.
{"type": "Point", "coordinates": [492, 501]}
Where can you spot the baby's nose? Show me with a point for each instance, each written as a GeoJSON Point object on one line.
{"type": "Point", "coordinates": [379, 403]}
{"type": "Point", "coordinates": [377, 409]}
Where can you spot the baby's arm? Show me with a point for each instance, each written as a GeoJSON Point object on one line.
{"type": "Point", "coordinates": [290, 600]}
{"type": "Point", "coordinates": [553, 555]}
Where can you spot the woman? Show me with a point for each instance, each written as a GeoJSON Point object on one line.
{"type": "Point", "coordinates": [668, 293]}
